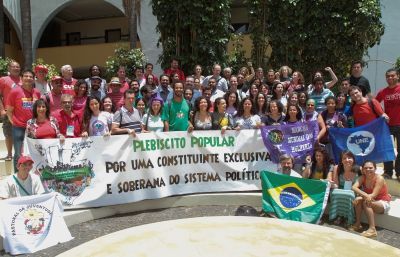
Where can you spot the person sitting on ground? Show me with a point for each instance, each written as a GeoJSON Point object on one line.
{"type": "Point", "coordinates": [286, 162]}
{"type": "Point", "coordinates": [96, 122]}
{"type": "Point", "coordinates": [344, 175]}
{"type": "Point", "coordinates": [23, 183]}
{"type": "Point", "coordinates": [372, 197]}
{"type": "Point", "coordinates": [318, 166]}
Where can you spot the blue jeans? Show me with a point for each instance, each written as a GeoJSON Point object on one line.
{"type": "Point", "coordinates": [18, 135]}
{"type": "Point", "coordinates": [388, 166]}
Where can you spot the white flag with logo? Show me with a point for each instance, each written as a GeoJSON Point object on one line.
{"type": "Point", "coordinates": [32, 223]}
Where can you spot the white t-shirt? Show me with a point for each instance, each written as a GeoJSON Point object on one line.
{"type": "Point", "coordinates": [154, 123]}
{"type": "Point", "coordinates": [9, 187]}
{"type": "Point", "coordinates": [249, 123]}
{"type": "Point", "coordinates": [99, 125]}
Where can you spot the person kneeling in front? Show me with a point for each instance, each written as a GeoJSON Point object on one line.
{"type": "Point", "coordinates": [22, 183]}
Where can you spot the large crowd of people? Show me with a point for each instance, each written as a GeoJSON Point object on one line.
{"type": "Point", "coordinates": [65, 107]}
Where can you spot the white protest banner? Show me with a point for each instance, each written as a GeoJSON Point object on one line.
{"type": "Point", "coordinates": [32, 223]}
{"type": "Point", "coordinates": [102, 171]}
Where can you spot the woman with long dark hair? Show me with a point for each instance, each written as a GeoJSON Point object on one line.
{"type": "Point", "coordinates": [221, 120]}
{"type": "Point", "coordinates": [246, 117]}
{"type": "Point", "coordinates": [95, 122]}
{"type": "Point", "coordinates": [318, 166]}
{"type": "Point", "coordinates": [42, 125]}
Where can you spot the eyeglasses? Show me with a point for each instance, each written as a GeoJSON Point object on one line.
{"type": "Point", "coordinates": [310, 104]}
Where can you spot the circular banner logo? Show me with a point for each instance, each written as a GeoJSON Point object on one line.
{"type": "Point", "coordinates": [361, 143]}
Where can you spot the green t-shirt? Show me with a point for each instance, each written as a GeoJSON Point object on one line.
{"type": "Point", "coordinates": [177, 114]}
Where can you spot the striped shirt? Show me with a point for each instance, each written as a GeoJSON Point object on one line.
{"type": "Point", "coordinates": [126, 119]}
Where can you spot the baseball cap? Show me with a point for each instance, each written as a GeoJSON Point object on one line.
{"type": "Point", "coordinates": [41, 68]}
{"type": "Point", "coordinates": [95, 77]}
{"type": "Point", "coordinates": [54, 78]}
{"type": "Point", "coordinates": [24, 159]}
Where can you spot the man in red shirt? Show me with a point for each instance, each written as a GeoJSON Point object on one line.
{"type": "Point", "coordinates": [117, 97]}
{"type": "Point", "coordinates": [68, 121]}
{"type": "Point", "coordinates": [175, 69]}
{"type": "Point", "coordinates": [19, 110]}
{"type": "Point", "coordinates": [149, 71]}
{"type": "Point", "coordinates": [53, 98]}
{"type": "Point", "coordinates": [390, 96]}
{"type": "Point", "coordinates": [364, 110]}
{"type": "Point", "coordinates": [121, 73]}
{"type": "Point", "coordinates": [68, 80]}
{"type": "Point", "coordinates": [6, 84]}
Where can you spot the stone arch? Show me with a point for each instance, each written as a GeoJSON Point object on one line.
{"type": "Point", "coordinates": [39, 24]}
{"type": "Point", "coordinates": [14, 23]}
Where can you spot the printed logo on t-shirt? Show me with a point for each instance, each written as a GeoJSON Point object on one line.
{"type": "Point", "coordinates": [27, 103]}
{"type": "Point", "coordinates": [98, 127]}
{"type": "Point", "coordinates": [179, 115]}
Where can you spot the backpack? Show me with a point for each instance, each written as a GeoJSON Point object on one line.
{"type": "Point", "coordinates": [370, 104]}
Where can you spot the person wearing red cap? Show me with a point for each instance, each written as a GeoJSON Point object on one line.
{"type": "Point", "coordinates": [40, 81]}
{"type": "Point", "coordinates": [53, 98]}
{"type": "Point", "coordinates": [22, 183]}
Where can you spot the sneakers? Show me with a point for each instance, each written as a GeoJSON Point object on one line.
{"type": "Point", "coordinates": [369, 233]}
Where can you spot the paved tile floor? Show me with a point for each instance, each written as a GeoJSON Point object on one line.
{"type": "Point", "coordinates": [90, 230]}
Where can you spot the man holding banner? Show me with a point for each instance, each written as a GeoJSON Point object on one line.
{"type": "Point", "coordinates": [294, 198]}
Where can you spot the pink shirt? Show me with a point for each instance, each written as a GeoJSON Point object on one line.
{"type": "Point", "coordinates": [22, 101]}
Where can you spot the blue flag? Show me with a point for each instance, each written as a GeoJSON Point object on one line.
{"type": "Point", "coordinates": [371, 141]}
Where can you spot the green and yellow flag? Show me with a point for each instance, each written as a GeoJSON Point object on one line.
{"type": "Point", "coordinates": [294, 198]}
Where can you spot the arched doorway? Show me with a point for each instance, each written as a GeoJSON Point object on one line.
{"type": "Point", "coordinates": [81, 33]}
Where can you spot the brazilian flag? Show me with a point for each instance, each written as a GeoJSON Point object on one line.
{"type": "Point", "coordinates": [294, 198]}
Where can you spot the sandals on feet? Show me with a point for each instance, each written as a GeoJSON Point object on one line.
{"type": "Point", "coordinates": [356, 228]}
{"type": "Point", "coordinates": [7, 158]}
{"type": "Point", "coordinates": [369, 233]}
